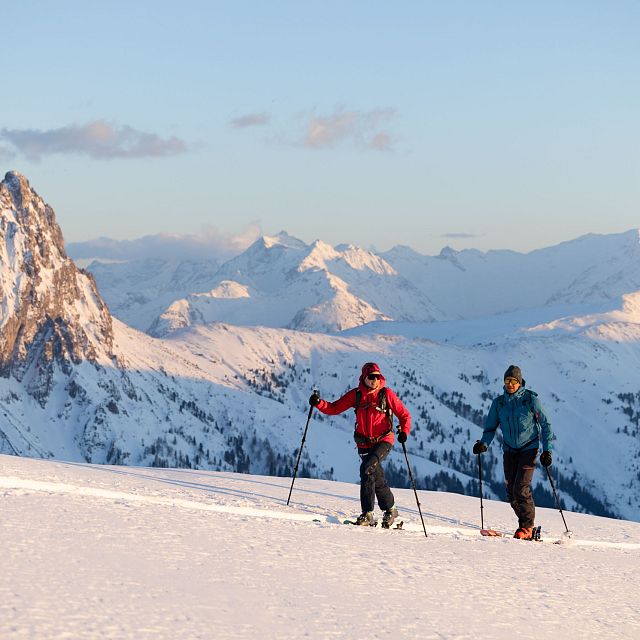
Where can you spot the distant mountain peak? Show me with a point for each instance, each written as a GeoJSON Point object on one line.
{"type": "Point", "coordinates": [282, 239]}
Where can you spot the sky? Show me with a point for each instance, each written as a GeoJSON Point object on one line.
{"type": "Point", "coordinates": [470, 124]}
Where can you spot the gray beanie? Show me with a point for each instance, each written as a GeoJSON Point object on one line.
{"type": "Point", "coordinates": [513, 372]}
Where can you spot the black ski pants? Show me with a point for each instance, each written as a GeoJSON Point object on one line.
{"type": "Point", "coordinates": [372, 481]}
{"type": "Point", "coordinates": [518, 474]}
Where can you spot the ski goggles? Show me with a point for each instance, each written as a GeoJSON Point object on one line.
{"type": "Point", "coordinates": [511, 381]}
{"type": "Point", "coordinates": [373, 376]}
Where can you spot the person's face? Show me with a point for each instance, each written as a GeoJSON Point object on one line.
{"type": "Point", "coordinates": [511, 385]}
{"type": "Point", "coordinates": [372, 380]}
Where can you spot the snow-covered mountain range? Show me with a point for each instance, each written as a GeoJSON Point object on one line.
{"type": "Point", "coordinates": [232, 395]}
{"type": "Point", "coordinates": [282, 282]}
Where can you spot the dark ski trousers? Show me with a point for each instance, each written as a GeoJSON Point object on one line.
{"type": "Point", "coordinates": [372, 481]}
{"type": "Point", "coordinates": [518, 474]}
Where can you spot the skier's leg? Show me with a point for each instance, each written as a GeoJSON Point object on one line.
{"type": "Point", "coordinates": [522, 488]}
{"type": "Point", "coordinates": [382, 490]}
{"type": "Point", "coordinates": [510, 463]}
{"type": "Point", "coordinates": [370, 463]}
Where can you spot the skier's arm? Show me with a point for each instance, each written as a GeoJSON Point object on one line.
{"type": "Point", "coordinates": [400, 411]}
{"type": "Point", "coordinates": [491, 423]}
{"type": "Point", "coordinates": [545, 425]}
{"type": "Point", "coordinates": [347, 401]}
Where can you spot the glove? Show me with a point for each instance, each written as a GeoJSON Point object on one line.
{"type": "Point", "coordinates": [314, 399]}
{"type": "Point", "coordinates": [545, 458]}
{"type": "Point", "coordinates": [402, 437]}
{"type": "Point", "coordinates": [479, 447]}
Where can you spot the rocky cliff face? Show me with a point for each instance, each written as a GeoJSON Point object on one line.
{"type": "Point", "coordinates": [51, 312]}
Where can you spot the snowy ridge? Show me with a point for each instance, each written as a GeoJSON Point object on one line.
{"type": "Point", "coordinates": [279, 281]}
{"type": "Point", "coordinates": [317, 287]}
{"type": "Point", "coordinates": [166, 553]}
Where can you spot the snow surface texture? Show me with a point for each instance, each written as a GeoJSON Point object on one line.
{"type": "Point", "coordinates": [125, 552]}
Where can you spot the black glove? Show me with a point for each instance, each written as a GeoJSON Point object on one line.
{"type": "Point", "coordinates": [314, 399]}
{"type": "Point", "coordinates": [479, 447]}
{"type": "Point", "coordinates": [545, 459]}
{"type": "Point", "coordinates": [402, 437]}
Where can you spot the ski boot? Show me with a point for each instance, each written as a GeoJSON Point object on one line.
{"type": "Point", "coordinates": [389, 517]}
{"type": "Point", "coordinates": [524, 533]}
{"type": "Point", "coordinates": [365, 519]}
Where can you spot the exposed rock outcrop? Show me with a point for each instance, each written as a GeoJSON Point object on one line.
{"type": "Point", "coordinates": [50, 311]}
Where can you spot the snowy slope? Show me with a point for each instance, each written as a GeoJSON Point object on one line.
{"type": "Point", "coordinates": [125, 552]}
{"type": "Point", "coordinates": [280, 281]}
{"type": "Point", "coordinates": [137, 291]}
{"type": "Point", "coordinates": [590, 270]}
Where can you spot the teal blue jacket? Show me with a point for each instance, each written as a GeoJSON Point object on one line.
{"type": "Point", "coordinates": [522, 420]}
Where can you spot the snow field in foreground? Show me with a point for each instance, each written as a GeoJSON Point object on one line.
{"type": "Point", "coordinates": [121, 552]}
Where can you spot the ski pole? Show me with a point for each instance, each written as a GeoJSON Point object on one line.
{"type": "Point", "coordinates": [481, 505]}
{"type": "Point", "coordinates": [557, 500]}
{"type": "Point", "coordinates": [406, 457]}
{"type": "Point", "coordinates": [304, 437]}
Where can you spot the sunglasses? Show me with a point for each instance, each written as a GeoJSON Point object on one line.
{"type": "Point", "coordinates": [374, 376]}
{"type": "Point", "coordinates": [511, 381]}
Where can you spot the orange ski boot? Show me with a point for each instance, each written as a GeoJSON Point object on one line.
{"type": "Point", "coordinates": [523, 533]}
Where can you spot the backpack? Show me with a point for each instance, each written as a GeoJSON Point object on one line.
{"type": "Point", "coordinates": [383, 406]}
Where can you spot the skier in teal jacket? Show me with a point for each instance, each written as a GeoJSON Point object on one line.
{"type": "Point", "coordinates": [523, 423]}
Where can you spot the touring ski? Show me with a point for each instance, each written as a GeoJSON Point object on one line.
{"type": "Point", "coordinates": [374, 523]}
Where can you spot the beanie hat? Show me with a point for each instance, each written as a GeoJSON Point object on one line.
{"type": "Point", "coordinates": [513, 372]}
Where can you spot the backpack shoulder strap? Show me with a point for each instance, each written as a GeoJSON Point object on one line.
{"type": "Point", "coordinates": [528, 400]}
{"type": "Point", "coordinates": [358, 399]}
{"type": "Point", "coordinates": [383, 404]}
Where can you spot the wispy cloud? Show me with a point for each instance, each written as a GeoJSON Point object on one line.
{"type": "Point", "coordinates": [98, 139]}
{"type": "Point", "coordinates": [460, 236]}
{"type": "Point", "coordinates": [250, 120]}
{"type": "Point", "coordinates": [211, 244]}
{"type": "Point", "coordinates": [6, 154]}
{"type": "Point", "coordinates": [360, 128]}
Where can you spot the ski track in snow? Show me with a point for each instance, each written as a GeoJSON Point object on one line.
{"type": "Point", "coordinates": [119, 552]}
{"type": "Point", "coordinates": [50, 487]}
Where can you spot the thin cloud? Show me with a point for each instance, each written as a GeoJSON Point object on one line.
{"type": "Point", "coordinates": [460, 236]}
{"type": "Point", "coordinates": [98, 139]}
{"type": "Point", "coordinates": [210, 244]}
{"type": "Point", "coordinates": [6, 154]}
{"type": "Point", "coordinates": [250, 120]}
{"type": "Point", "coordinates": [359, 128]}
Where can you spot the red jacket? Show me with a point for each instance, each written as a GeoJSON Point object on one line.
{"type": "Point", "coordinates": [370, 421]}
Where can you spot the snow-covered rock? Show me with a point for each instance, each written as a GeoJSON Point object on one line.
{"type": "Point", "coordinates": [52, 314]}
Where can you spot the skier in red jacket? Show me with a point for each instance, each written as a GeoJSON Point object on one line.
{"type": "Point", "coordinates": [374, 403]}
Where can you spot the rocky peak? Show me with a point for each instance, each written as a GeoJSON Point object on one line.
{"type": "Point", "coordinates": [50, 311]}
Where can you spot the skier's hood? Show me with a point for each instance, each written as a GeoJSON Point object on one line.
{"type": "Point", "coordinates": [367, 368]}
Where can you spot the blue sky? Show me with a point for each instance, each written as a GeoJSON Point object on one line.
{"type": "Point", "coordinates": [473, 124]}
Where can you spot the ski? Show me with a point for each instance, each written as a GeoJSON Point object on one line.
{"type": "Point", "coordinates": [374, 523]}
{"type": "Point", "coordinates": [492, 533]}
